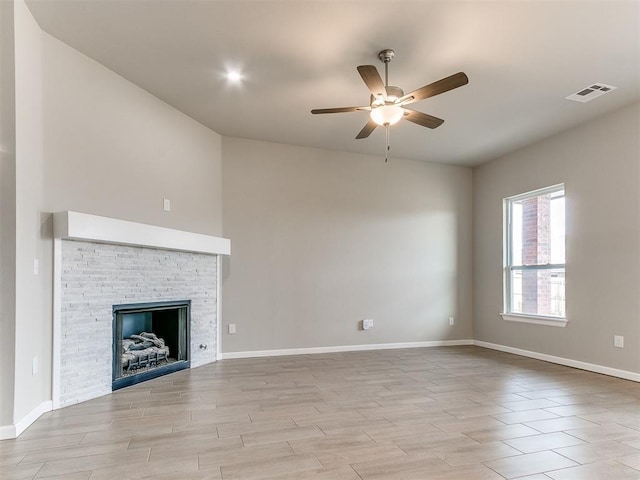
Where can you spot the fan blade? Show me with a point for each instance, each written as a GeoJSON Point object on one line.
{"type": "Point", "coordinates": [423, 119]}
{"type": "Point", "coordinates": [366, 131]}
{"type": "Point", "coordinates": [372, 79]}
{"type": "Point", "coordinates": [436, 88]}
{"type": "Point", "coordinates": [337, 110]}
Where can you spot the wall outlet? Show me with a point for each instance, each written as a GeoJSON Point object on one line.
{"type": "Point", "coordinates": [452, 321]}
{"type": "Point", "coordinates": [34, 366]}
{"type": "Point", "coordinates": [367, 324]}
{"type": "Point", "coordinates": [618, 341]}
{"type": "Point", "coordinates": [232, 328]}
{"type": "Point", "coordinates": [166, 204]}
{"type": "Point", "coordinates": [36, 266]}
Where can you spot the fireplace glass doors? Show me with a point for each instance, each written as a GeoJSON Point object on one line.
{"type": "Point", "coordinates": [149, 340]}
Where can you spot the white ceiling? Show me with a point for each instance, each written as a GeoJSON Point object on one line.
{"type": "Point", "coordinates": [522, 59]}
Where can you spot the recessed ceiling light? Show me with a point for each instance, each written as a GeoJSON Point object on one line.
{"type": "Point", "coordinates": [234, 76]}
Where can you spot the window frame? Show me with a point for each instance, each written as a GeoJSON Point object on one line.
{"type": "Point", "coordinates": [508, 266]}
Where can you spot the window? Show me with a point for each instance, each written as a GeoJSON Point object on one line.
{"type": "Point", "coordinates": [534, 273]}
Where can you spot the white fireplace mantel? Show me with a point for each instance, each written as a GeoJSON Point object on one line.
{"type": "Point", "coordinates": [82, 226]}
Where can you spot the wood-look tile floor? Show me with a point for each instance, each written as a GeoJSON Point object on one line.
{"type": "Point", "coordinates": [432, 413]}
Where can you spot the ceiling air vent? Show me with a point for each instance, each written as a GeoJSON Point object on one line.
{"type": "Point", "coordinates": [591, 92]}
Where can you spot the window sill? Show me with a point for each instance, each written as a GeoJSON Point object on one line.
{"type": "Point", "coordinates": [535, 319]}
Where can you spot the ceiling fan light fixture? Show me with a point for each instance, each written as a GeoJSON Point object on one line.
{"type": "Point", "coordinates": [387, 114]}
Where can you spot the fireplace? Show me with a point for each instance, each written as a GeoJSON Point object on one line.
{"type": "Point", "coordinates": [149, 340]}
{"type": "Point", "coordinates": [100, 262]}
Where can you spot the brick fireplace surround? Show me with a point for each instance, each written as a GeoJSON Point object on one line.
{"type": "Point", "coordinates": [100, 262]}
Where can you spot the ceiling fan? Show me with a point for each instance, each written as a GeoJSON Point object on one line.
{"type": "Point", "coordinates": [387, 104]}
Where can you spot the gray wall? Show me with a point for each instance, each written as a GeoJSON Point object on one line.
{"type": "Point", "coordinates": [599, 164]}
{"type": "Point", "coordinates": [33, 292]}
{"type": "Point", "coordinates": [7, 211]}
{"type": "Point", "coordinates": [323, 239]}
{"type": "Point", "coordinates": [115, 150]}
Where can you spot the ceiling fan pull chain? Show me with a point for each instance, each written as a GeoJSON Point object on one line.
{"type": "Point", "coordinates": [386, 152]}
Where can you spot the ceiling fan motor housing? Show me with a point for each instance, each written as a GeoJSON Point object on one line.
{"type": "Point", "coordinates": [394, 93]}
{"type": "Point", "coordinates": [386, 55]}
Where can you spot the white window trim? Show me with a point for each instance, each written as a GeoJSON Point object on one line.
{"type": "Point", "coordinates": [535, 319]}
{"type": "Point", "coordinates": [506, 293]}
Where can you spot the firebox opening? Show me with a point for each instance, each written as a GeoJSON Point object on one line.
{"type": "Point", "coordinates": [149, 340]}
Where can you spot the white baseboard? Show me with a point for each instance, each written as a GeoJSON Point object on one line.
{"type": "Point", "coordinates": [342, 348]}
{"type": "Point", "coordinates": [614, 372]}
{"type": "Point", "coordinates": [591, 367]}
{"type": "Point", "coordinates": [12, 431]}
{"type": "Point", "coordinates": [7, 432]}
